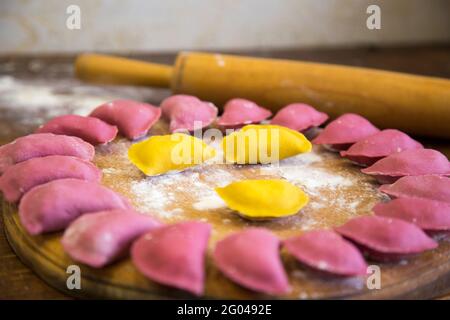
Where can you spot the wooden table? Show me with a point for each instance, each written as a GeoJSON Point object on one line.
{"type": "Point", "coordinates": [19, 282]}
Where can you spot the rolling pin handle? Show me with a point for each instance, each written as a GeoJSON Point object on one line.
{"type": "Point", "coordinates": [114, 70]}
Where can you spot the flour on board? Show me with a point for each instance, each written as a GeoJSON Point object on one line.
{"type": "Point", "coordinates": [155, 194]}
{"type": "Point", "coordinates": [196, 186]}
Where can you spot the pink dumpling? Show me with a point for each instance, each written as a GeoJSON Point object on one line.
{"type": "Point", "coordinates": [239, 112]}
{"type": "Point", "coordinates": [380, 145]}
{"type": "Point", "coordinates": [251, 258]}
{"type": "Point", "coordinates": [328, 252]}
{"type": "Point", "coordinates": [41, 145]}
{"type": "Point", "coordinates": [429, 215]}
{"type": "Point", "coordinates": [21, 177]}
{"type": "Point", "coordinates": [386, 239]}
{"type": "Point", "coordinates": [90, 129]}
{"type": "Point", "coordinates": [345, 130]}
{"type": "Point", "coordinates": [133, 118]}
{"type": "Point", "coordinates": [54, 205]}
{"type": "Point", "coordinates": [187, 113]}
{"type": "Point", "coordinates": [413, 162]}
{"type": "Point", "coordinates": [427, 186]}
{"type": "Point", "coordinates": [299, 117]}
{"type": "Point", "coordinates": [174, 255]}
{"type": "Point", "coordinates": [100, 238]}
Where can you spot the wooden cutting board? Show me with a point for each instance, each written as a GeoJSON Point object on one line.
{"type": "Point", "coordinates": [338, 192]}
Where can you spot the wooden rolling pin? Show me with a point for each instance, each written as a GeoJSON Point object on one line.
{"type": "Point", "coordinates": [416, 104]}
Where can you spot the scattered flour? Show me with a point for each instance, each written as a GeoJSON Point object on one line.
{"type": "Point", "coordinates": [161, 194]}
{"type": "Point", "coordinates": [298, 170]}
{"type": "Point", "coordinates": [191, 193]}
{"type": "Point", "coordinates": [43, 97]}
{"type": "Point", "coordinates": [110, 170]}
{"type": "Point", "coordinates": [31, 102]}
{"type": "Point", "coordinates": [209, 203]}
{"type": "Point", "coordinates": [151, 197]}
{"type": "Point", "coordinates": [156, 194]}
{"type": "Point", "coordinates": [153, 194]}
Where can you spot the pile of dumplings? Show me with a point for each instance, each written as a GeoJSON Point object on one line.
{"type": "Point", "coordinates": [51, 176]}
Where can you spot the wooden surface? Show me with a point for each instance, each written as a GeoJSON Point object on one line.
{"type": "Point", "coordinates": [17, 281]}
{"type": "Point", "coordinates": [424, 277]}
{"type": "Point", "coordinates": [330, 205]}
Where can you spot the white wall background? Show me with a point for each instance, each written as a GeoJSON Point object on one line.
{"type": "Point", "coordinates": [169, 25]}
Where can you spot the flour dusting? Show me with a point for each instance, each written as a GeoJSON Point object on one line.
{"type": "Point", "coordinates": [209, 203]}
{"type": "Point", "coordinates": [337, 191]}
{"type": "Point", "coordinates": [156, 194]}
{"type": "Point", "coordinates": [31, 102]}
{"type": "Point", "coordinates": [300, 171]}
{"type": "Point", "coordinates": [44, 98]}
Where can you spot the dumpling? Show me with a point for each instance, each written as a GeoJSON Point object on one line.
{"type": "Point", "coordinates": [386, 239]}
{"type": "Point", "coordinates": [414, 162]}
{"type": "Point", "coordinates": [251, 259]}
{"type": "Point", "coordinates": [427, 186]}
{"type": "Point", "coordinates": [100, 238]}
{"type": "Point", "coordinates": [344, 131]}
{"type": "Point", "coordinates": [263, 199]}
{"type": "Point", "coordinates": [41, 145]}
{"type": "Point", "coordinates": [380, 145]}
{"type": "Point", "coordinates": [21, 177]}
{"type": "Point", "coordinates": [187, 113]}
{"type": "Point", "coordinates": [263, 144]}
{"type": "Point", "coordinates": [239, 112]}
{"type": "Point", "coordinates": [161, 154]}
{"type": "Point", "coordinates": [92, 130]}
{"type": "Point", "coordinates": [430, 215]}
{"type": "Point", "coordinates": [299, 117]}
{"type": "Point", "coordinates": [174, 255]}
{"type": "Point", "coordinates": [133, 118]}
{"type": "Point", "coordinates": [328, 252]}
{"type": "Point", "coordinates": [54, 205]}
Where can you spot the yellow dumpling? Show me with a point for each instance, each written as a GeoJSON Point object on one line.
{"type": "Point", "coordinates": [160, 154]}
{"type": "Point", "coordinates": [263, 199]}
{"type": "Point", "coordinates": [263, 144]}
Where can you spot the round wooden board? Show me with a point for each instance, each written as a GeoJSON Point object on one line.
{"type": "Point", "coordinates": [331, 204]}
{"type": "Point", "coordinates": [424, 277]}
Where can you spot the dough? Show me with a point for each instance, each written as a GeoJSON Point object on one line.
{"type": "Point", "coordinates": [328, 252]}
{"type": "Point", "coordinates": [238, 112]}
{"type": "Point", "coordinates": [413, 162]}
{"type": "Point", "coordinates": [133, 118]}
{"type": "Point", "coordinates": [344, 131]}
{"type": "Point", "coordinates": [382, 144]}
{"type": "Point", "coordinates": [263, 199]}
{"type": "Point", "coordinates": [21, 177]}
{"type": "Point", "coordinates": [426, 186]}
{"type": "Point", "coordinates": [92, 130]}
{"type": "Point", "coordinates": [429, 215]}
{"type": "Point", "coordinates": [41, 145]}
{"type": "Point", "coordinates": [251, 258]}
{"type": "Point", "coordinates": [187, 113]}
{"type": "Point", "coordinates": [299, 117]}
{"type": "Point", "coordinates": [161, 154]}
{"type": "Point", "coordinates": [97, 239]}
{"type": "Point", "coordinates": [54, 205]}
{"type": "Point", "coordinates": [386, 239]}
{"type": "Point", "coordinates": [174, 255]}
{"type": "Point", "coordinates": [263, 144]}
